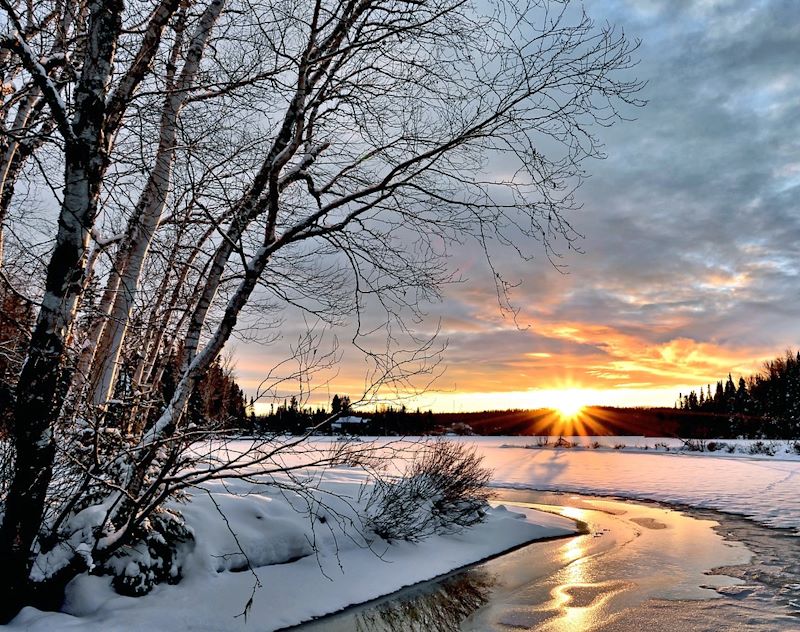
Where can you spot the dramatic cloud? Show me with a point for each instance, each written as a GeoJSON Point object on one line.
{"type": "Point", "coordinates": [691, 228]}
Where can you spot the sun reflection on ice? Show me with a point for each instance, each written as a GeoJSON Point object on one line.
{"type": "Point", "coordinates": [577, 600]}
{"type": "Point", "coordinates": [572, 616]}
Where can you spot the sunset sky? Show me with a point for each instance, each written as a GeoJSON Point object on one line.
{"type": "Point", "coordinates": [690, 265]}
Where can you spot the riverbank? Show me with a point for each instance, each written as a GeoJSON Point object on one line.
{"type": "Point", "coordinates": [758, 487]}
{"type": "Point", "coordinates": [642, 566]}
{"type": "Point", "coordinates": [262, 560]}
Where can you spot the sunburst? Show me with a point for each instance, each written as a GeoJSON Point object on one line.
{"type": "Point", "coordinates": [568, 404]}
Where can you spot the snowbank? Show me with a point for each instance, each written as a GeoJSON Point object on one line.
{"type": "Point", "coordinates": [305, 560]}
{"type": "Point", "coordinates": [309, 559]}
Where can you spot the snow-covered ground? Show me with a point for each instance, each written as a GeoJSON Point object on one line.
{"type": "Point", "coordinates": [760, 487]}
{"type": "Point", "coordinates": [783, 450]}
{"type": "Point", "coordinates": [306, 558]}
{"type": "Point", "coordinates": [309, 560]}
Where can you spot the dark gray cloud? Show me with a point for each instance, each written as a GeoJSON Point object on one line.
{"type": "Point", "coordinates": [691, 265]}
{"type": "Point", "coordinates": [703, 186]}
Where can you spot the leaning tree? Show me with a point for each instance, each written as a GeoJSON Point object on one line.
{"type": "Point", "coordinates": [196, 162]}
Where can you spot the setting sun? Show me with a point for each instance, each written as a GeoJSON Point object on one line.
{"type": "Point", "coordinates": [568, 404]}
{"type": "Point", "coordinates": [569, 410]}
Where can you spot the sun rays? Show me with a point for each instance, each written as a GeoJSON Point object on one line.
{"type": "Point", "coordinates": [568, 403]}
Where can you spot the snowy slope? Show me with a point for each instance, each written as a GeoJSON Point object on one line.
{"type": "Point", "coordinates": [296, 580]}
{"type": "Point", "coordinates": [296, 584]}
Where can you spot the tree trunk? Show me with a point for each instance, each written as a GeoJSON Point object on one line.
{"type": "Point", "coordinates": [89, 348]}
{"type": "Point", "coordinates": [149, 208]}
{"type": "Point", "coordinates": [38, 396]}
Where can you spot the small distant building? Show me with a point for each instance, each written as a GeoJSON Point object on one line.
{"type": "Point", "coordinates": [349, 425]}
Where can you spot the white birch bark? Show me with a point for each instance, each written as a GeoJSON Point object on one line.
{"type": "Point", "coordinates": [37, 389]}
{"type": "Point", "coordinates": [149, 209]}
{"type": "Point", "coordinates": [87, 140]}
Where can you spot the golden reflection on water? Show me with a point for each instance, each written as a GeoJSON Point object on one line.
{"type": "Point", "coordinates": [577, 600]}
{"type": "Point", "coordinates": [572, 616]}
{"type": "Point", "coordinates": [573, 551]}
{"type": "Point", "coordinates": [575, 513]}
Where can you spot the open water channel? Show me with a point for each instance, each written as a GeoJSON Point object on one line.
{"type": "Point", "coordinates": [638, 566]}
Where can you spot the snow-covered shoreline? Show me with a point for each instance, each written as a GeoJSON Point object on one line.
{"type": "Point", "coordinates": [762, 488]}
{"type": "Point", "coordinates": [297, 562]}
{"type": "Point", "coordinates": [308, 561]}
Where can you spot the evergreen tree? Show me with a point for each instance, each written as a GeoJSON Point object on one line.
{"type": "Point", "coordinates": [719, 398]}
{"type": "Point", "coordinates": [742, 397]}
{"type": "Point", "coordinates": [729, 395]}
{"type": "Point", "coordinates": [764, 405]}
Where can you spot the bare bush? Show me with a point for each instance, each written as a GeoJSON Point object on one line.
{"type": "Point", "coordinates": [564, 443]}
{"type": "Point", "coordinates": [694, 445]}
{"type": "Point", "coordinates": [762, 447]}
{"type": "Point", "coordinates": [443, 490]}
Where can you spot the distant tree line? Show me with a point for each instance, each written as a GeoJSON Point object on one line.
{"type": "Point", "coordinates": [289, 417]}
{"type": "Point", "coordinates": [763, 405]}
{"type": "Point", "coordinates": [385, 420]}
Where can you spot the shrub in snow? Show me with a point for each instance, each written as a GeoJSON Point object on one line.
{"type": "Point", "coordinates": [760, 447]}
{"type": "Point", "coordinates": [443, 490]}
{"type": "Point", "coordinates": [90, 530]}
{"type": "Point", "coordinates": [694, 445]}
{"type": "Point", "coordinates": [564, 443]}
{"type": "Point", "coordinates": [152, 558]}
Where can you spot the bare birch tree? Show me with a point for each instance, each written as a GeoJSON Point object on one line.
{"type": "Point", "coordinates": [87, 129]}
{"type": "Point", "coordinates": [313, 154]}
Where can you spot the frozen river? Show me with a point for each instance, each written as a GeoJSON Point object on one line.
{"type": "Point", "coordinates": [639, 566]}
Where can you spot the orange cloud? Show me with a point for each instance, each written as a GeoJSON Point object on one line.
{"type": "Point", "coordinates": [493, 363]}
